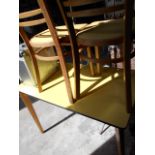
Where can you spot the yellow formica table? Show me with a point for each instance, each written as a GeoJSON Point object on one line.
{"type": "Point", "coordinates": [102, 97]}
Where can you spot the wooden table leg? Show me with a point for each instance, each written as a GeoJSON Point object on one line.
{"type": "Point", "coordinates": [26, 100]}
{"type": "Point", "coordinates": [120, 141]}
{"type": "Point", "coordinates": [97, 54]}
{"type": "Point", "coordinates": [90, 63]}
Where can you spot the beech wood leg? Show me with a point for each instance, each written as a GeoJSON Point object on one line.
{"type": "Point", "coordinates": [26, 100]}
{"type": "Point", "coordinates": [90, 63]}
{"type": "Point", "coordinates": [97, 54]}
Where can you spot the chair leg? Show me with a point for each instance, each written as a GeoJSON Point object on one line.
{"type": "Point", "coordinates": [115, 55]}
{"type": "Point", "coordinates": [109, 57]}
{"type": "Point", "coordinates": [90, 63]}
{"type": "Point", "coordinates": [37, 74]}
{"type": "Point", "coordinates": [66, 78]}
{"type": "Point", "coordinates": [28, 104]}
{"type": "Point", "coordinates": [65, 74]}
{"type": "Point", "coordinates": [121, 50]}
{"type": "Point", "coordinates": [39, 85]}
{"type": "Point", "coordinates": [97, 55]}
{"type": "Point", "coordinates": [120, 141]}
{"type": "Point", "coordinates": [32, 57]}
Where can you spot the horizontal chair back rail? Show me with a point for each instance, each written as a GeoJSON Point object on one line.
{"type": "Point", "coordinates": [80, 3]}
{"type": "Point", "coordinates": [95, 11]}
{"type": "Point", "coordinates": [30, 13]}
{"type": "Point", "coordinates": [32, 22]}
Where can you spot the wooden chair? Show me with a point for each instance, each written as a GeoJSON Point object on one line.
{"type": "Point", "coordinates": [41, 41]}
{"type": "Point", "coordinates": [98, 34]}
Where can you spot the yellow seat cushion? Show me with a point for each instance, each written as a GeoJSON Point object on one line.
{"type": "Point", "coordinates": [46, 68]}
{"type": "Point", "coordinates": [101, 31]}
{"type": "Point", "coordinates": [44, 39]}
{"type": "Point", "coordinates": [76, 26]}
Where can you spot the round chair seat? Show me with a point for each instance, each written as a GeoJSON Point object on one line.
{"type": "Point", "coordinates": [77, 27]}
{"type": "Point", "coordinates": [102, 32]}
{"type": "Point", "coordinates": [44, 39]}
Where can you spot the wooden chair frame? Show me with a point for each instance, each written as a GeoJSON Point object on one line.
{"type": "Point", "coordinates": [126, 40]}
{"type": "Point", "coordinates": [34, 55]}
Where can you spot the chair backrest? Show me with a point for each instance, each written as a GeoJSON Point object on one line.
{"type": "Point", "coordinates": [35, 18]}
{"type": "Point", "coordinates": [31, 22]}
{"type": "Point", "coordinates": [30, 19]}
{"type": "Point", "coordinates": [115, 14]}
{"type": "Point", "coordinates": [52, 28]}
{"type": "Point", "coordinates": [71, 9]}
{"type": "Point", "coordinates": [86, 12]}
{"type": "Point", "coordinates": [69, 14]}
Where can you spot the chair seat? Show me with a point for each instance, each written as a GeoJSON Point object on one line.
{"type": "Point", "coordinates": [44, 38]}
{"type": "Point", "coordinates": [102, 32]}
{"type": "Point", "coordinates": [76, 26]}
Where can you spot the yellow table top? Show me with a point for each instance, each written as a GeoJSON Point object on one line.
{"type": "Point", "coordinates": [103, 97]}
